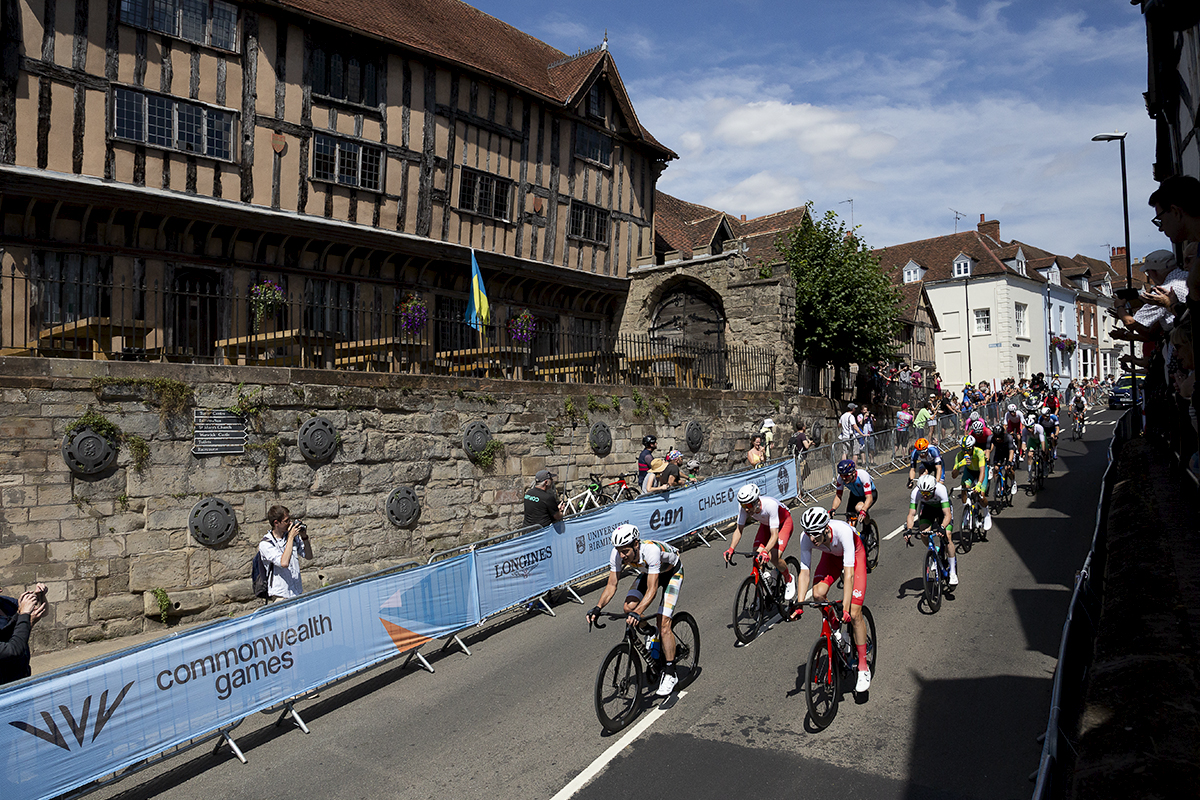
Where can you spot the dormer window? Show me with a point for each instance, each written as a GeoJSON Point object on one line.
{"type": "Point", "coordinates": [1084, 285]}
{"type": "Point", "coordinates": [912, 272]}
{"type": "Point", "coordinates": [1020, 267]}
{"type": "Point", "coordinates": [1052, 277]}
{"type": "Point", "coordinates": [962, 267]}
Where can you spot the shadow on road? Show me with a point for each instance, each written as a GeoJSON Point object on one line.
{"type": "Point", "coordinates": [1042, 612]}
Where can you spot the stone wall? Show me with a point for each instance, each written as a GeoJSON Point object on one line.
{"type": "Point", "coordinates": [103, 544]}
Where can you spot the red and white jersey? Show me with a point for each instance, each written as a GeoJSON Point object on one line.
{"type": "Point", "coordinates": [840, 544]}
{"type": "Point", "coordinates": [770, 513]}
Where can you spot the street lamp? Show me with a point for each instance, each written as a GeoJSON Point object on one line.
{"type": "Point", "coordinates": [1120, 137]}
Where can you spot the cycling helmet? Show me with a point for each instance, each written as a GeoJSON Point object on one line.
{"type": "Point", "coordinates": [649, 440]}
{"type": "Point", "coordinates": [1031, 420]}
{"type": "Point", "coordinates": [967, 442]}
{"type": "Point", "coordinates": [748, 494]}
{"type": "Point", "coordinates": [1044, 410]}
{"type": "Point", "coordinates": [814, 520]}
{"type": "Point", "coordinates": [674, 454]}
{"type": "Point", "coordinates": [1012, 406]}
{"type": "Point", "coordinates": [978, 426]}
{"type": "Point", "coordinates": [625, 535]}
{"type": "Point", "coordinates": [926, 484]}
{"type": "Point", "coordinates": [921, 444]}
{"type": "Point", "coordinates": [846, 468]}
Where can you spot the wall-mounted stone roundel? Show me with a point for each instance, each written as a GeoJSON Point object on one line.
{"type": "Point", "coordinates": [694, 436]}
{"type": "Point", "coordinates": [475, 438]}
{"type": "Point", "coordinates": [402, 507]}
{"type": "Point", "coordinates": [88, 452]}
{"type": "Point", "coordinates": [600, 438]}
{"type": "Point", "coordinates": [317, 439]}
{"type": "Point", "coordinates": [212, 522]}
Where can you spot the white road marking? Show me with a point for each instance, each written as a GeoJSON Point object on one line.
{"type": "Point", "coordinates": [894, 533]}
{"type": "Point", "coordinates": [608, 755]}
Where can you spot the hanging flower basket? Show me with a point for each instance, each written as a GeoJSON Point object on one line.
{"type": "Point", "coordinates": [1063, 343]}
{"type": "Point", "coordinates": [413, 314]}
{"type": "Point", "coordinates": [522, 328]}
{"type": "Point", "coordinates": [266, 298]}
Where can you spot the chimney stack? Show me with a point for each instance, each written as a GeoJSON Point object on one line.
{"type": "Point", "coordinates": [743, 217]}
{"type": "Point", "coordinates": [989, 227]}
{"type": "Point", "coordinates": [1118, 260]}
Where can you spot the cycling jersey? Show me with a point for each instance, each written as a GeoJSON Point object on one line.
{"type": "Point", "coordinates": [772, 514]}
{"type": "Point", "coordinates": [1013, 422]}
{"type": "Point", "coordinates": [1002, 445]}
{"type": "Point", "coordinates": [844, 549]}
{"type": "Point", "coordinates": [1049, 423]}
{"type": "Point", "coordinates": [939, 502]}
{"type": "Point", "coordinates": [1035, 431]}
{"type": "Point", "coordinates": [840, 544]}
{"type": "Point", "coordinates": [859, 487]}
{"type": "Point", "coordinates": [974, 460]}
{"type": "Point", "coordinates": [927, 460]}
{"type": "Point", "coordinates": [983, 439]}
{"type": "Point", "coordinates": [654, 558]}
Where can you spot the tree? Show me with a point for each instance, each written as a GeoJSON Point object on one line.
{"type": "Point", "coordinates": [846, 306]}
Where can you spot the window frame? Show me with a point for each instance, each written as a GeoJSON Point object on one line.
{"type": "Point", "coordinates": [130, 10]}
{"type": "Point", "coordinates": [962, 268]}
{"type": "Point", "coordinates": [595, 101]}
{"type": "Point", "coordinates": [1022, 366]}
{"type": "Point", "coordinates": [364, 148]}
{"type": "Point", "coordinates": [348, 55]}
{"type": "Point", "coordinates": [582, 146]}
{"type": "Point", "coordinates": [585, 209]}
{"type": "Point", "coordinates": [477, 177]}
{"type": "Point", "coordinates": [986, 318]}
{"type": "Point", "coordinates": [1021, 320]}
{"type": "Point", "coordinates": [209, 116]}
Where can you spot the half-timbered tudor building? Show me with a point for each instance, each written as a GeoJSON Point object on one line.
{"type": "Point", "coordinates": [161, 160]}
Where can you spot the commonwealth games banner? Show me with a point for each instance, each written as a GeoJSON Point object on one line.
{"type": "Point", "coordinates": [72, 728]}
{"type": "Point", "coordinates": [522, 568]}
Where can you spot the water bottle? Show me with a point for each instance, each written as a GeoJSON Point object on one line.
{"type": "Point", "coordinates": [768, 576]}
{"type": "Point", "coordinates": [839, 639]}
{"type": "Point", "coordinates": [654, 645]}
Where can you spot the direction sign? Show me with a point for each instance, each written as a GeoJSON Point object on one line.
{"type": "Point", "coordinates": [218, 432]}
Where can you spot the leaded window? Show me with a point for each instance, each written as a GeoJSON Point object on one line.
{"type": "Point", "coordinates": [166, 122]}
{"type": "Point", "coordinates": [347, 162]}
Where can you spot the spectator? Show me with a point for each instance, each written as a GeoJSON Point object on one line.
{"type": "Point", "coordinates": [937, 382]}
{"type": "Point", "coordinates": [868, 438]}
{"type": "Point", "coordinates": [756, 456]}
{"type": "Point", "coordinates": [672, 475]}
{"type": "Point", "coordinates": [800, 441]}
{"type": "Point", "coordinates": [768, 432]}
{"type": "Point", "coordinates": [654, 481]}
{"type": "Point", "coordinates": [849, 431]}
{"type": "Point", "coordinates": [650, 443]}
{"type": "Point", "coordinates": [693, 470]}
{"type": "Point", "coordinates": [905, 375]}
{"type": "Point", "coordinates": [1177, 213]}
{"type": "Point", "coordinates": [916, 378]}
{"type": "Point", "coordinates": [542, 506]}
{"type": "Point", "coordinates": [22, 614]}
{"type": "Point", "coordinates": [904, 418]}
{"type": "Point", "coordinates": [287, 539]}
{"type": "Point", "coordinates": [921, 421]}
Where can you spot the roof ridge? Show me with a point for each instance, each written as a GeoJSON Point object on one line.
{"type": "Point", "coordinates": [579, 54]}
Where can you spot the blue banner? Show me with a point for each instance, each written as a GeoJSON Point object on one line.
{"type": "Point", "coordinates": [71, 728]}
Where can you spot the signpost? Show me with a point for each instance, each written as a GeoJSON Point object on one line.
{"type": "Point", "coordinates": [218, 432]}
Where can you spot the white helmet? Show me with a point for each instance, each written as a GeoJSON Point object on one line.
{"type": "Point", "coordinates": [1031, 420]}
{"type": "Point", "coordinates": [1012, 406]}
{"type": "Point", "coordinates": [748, 494]}
{"type": "Point", "coordinates": [1044, 410]}
{"type": "Point", "coordinates": [625, 534]}
{"type": "Point", "coordinates": [926, 484]}
{"type": "Point", "coordinates": [814, 520]}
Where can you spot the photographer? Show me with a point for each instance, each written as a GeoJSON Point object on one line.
{"type": "Point", "coordinates": [15, 630]}
{"type": "Point", "coordinates": [287, 539]}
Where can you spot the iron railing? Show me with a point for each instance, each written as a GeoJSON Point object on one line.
{"type": "Point", "coordinates": [72, 312]}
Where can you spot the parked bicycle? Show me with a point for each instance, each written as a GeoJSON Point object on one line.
{"type": "Point", "coordinates": [759, 597]}
{"type": "Point", "coordinates": [591, 497]}
{"type": "Point", "coordinates": [832, 660]}
{"type": "Point", "coordinates": [936, 575]}
{"type": "Point", "coordinates": [620, 489]}
{"type": "Point", "coordinates": [634, 665]}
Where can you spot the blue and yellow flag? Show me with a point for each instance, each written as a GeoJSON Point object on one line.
{"type": "Point", "coordinates": [478, 313]}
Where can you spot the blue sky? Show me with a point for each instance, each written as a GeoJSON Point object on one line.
{"type": "Point", "coordinates": [909, 108]}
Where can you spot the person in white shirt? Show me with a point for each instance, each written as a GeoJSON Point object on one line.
{"type": "Point", "coordinates": [282, 548]}
{"type": "Point", "coordinates": [849, 431]}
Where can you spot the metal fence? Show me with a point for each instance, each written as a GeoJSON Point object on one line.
{"type": "Point", "coordinates": [65, 308]}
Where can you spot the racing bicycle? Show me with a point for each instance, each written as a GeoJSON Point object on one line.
{"type": "Point", "coordinates": [759, 597]}
{"type": "Point", "coordinates": [870, 538]}
{"type": "Point", "coordinates": [1003, 478]}
{"type": "Point", "coordinates": [972, 523]}
{"type": "Point", "coordinates": [591, 497]}
{"type": "Point", "coordinates": [620, 489]}
{"type": "Point", "coordinates": [832, 660]}
{"type": "Point", "coordinates": [936, 576]}
{"type": "Point", "coordinates": [630, 668]}
{"type": "Point", "coordinates": [1076, 426]}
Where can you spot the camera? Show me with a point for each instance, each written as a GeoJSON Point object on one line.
{"type": "Point", "coordinates": [303, 527]}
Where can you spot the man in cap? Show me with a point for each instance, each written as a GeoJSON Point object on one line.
{"type": "Point", "coordinates": [542, 506]}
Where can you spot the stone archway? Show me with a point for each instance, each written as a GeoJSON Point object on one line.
{"type": "Point", "coordinates": [690, 311]}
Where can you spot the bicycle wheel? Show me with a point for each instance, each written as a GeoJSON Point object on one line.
{"type": "Point", "coordinates": [619, 687]}
{"type": "Point", "coordinates": [872, 641]}
{"type": "Point", "coordinates": [747, 611]}
{"type": "Point", "coordinates": [821, 685]}
{"type": "Point", "coordinates": [604, 499]}
{"type": "Point", "coordinates": [966, 534]}
{"type": "Point", "coordinates": [687, 647]}
{"type": "Point", "coordinates": [933, 582]}
{"type": "Point", "coordinates": [871, 545]}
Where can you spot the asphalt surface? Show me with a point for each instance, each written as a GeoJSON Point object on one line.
{"type": "Point", "coordinates": [954, 710]}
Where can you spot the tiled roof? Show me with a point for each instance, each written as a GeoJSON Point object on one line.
{"type": "Point", "coordinates": [937, 256]}
{"type": "Point", "coordinates": [688, 227]}
{"type": "Point", "coordinates": [456, 32]}
{"type": "Point", "coordinates": [912, 295]}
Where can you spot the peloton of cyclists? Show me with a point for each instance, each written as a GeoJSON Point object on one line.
{"type": "Point", "coordinates": [858, 483]}
{"type": "Point", "coordinates": [658, 564]}
{"type": "Point", "coordinates": [930, 504]}
{"type": "Point", "coordinates": [842, 554]}
{"type": "Point", "coordinates": [774, 529]}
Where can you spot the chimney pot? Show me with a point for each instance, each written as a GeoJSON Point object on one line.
{"type": "Point", "coordinates": [743, 217]}
{"type": "Point", "coordinates": [981, 217]}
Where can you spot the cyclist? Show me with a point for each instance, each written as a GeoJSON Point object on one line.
{"type": "Point", "coordinates": [862, 492]}
{"type": "Point", "coordinates": [1004, 456]}
{"type": "Point", "coordinates": [928, 458]}
{"type": "Point", "coordinates": [930, 503]}
{"type": "Point", "coordinates": [658, 565]}
{"type": "Point", "coordinates": [1035, 439]}
{"type": "Point", "coordinates": [1013, 422]}
{"type": "Point", "coordinates": [1078, 407]}
{"type": "Point", "coordinates": [983, 435]}
{"type": "Point", "coordinates": [1049, 422]}
{"type": "Point", "coordinates": [972, 462]}
{"type": "Point", "coordinates": [774, 530]}
{"type": "Point", "coordinates": [839, 546]}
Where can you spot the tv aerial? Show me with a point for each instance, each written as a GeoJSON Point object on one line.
{"type": "Point", "coordinates": [957, 216]}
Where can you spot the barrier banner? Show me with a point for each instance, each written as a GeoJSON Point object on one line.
{"type": "Point", "coordinates": [71, 728]}
{"type": "Point", "coordinates": [522, 568]}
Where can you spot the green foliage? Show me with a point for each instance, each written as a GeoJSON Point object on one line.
{"type": "Point", "coordinates": [164, 602]}
{"type": "Point", "coordinates": [616, 403]}
{"type": "Point", "coordinates": [593, 404]}
{"type": "Point", "coordinates": [551, 436]}
{"type": "Point", "coordinates": [663, 406]}
{"type": "Point", "coordinates": [574, 413]}
{"type": "Point", "coordinates": [273, 449]}
{"type": "Point", "coordinates": [171, 396]}
{"type": "Point", "coordinates": [245, 406]}
{"type": "Point", "coordinates": [123, 502]}
{"type": "Point", "coordinates": [486, 458]}
{"type": "Point", "coordinates": [640, 408]}
{"type": "Point", "coordinates": [775, 403]}
{"type": "Point", "coordinates": [139, 451]}
{"type": "Point", "coordinates": [765, 270]}
{"type": "Point", "coordinates": [846, 306]}
{"type": "Point", "coordinates": [99, 423]}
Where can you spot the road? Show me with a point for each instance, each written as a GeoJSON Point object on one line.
{"type": "Point", "coordinates": [954, 710]}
